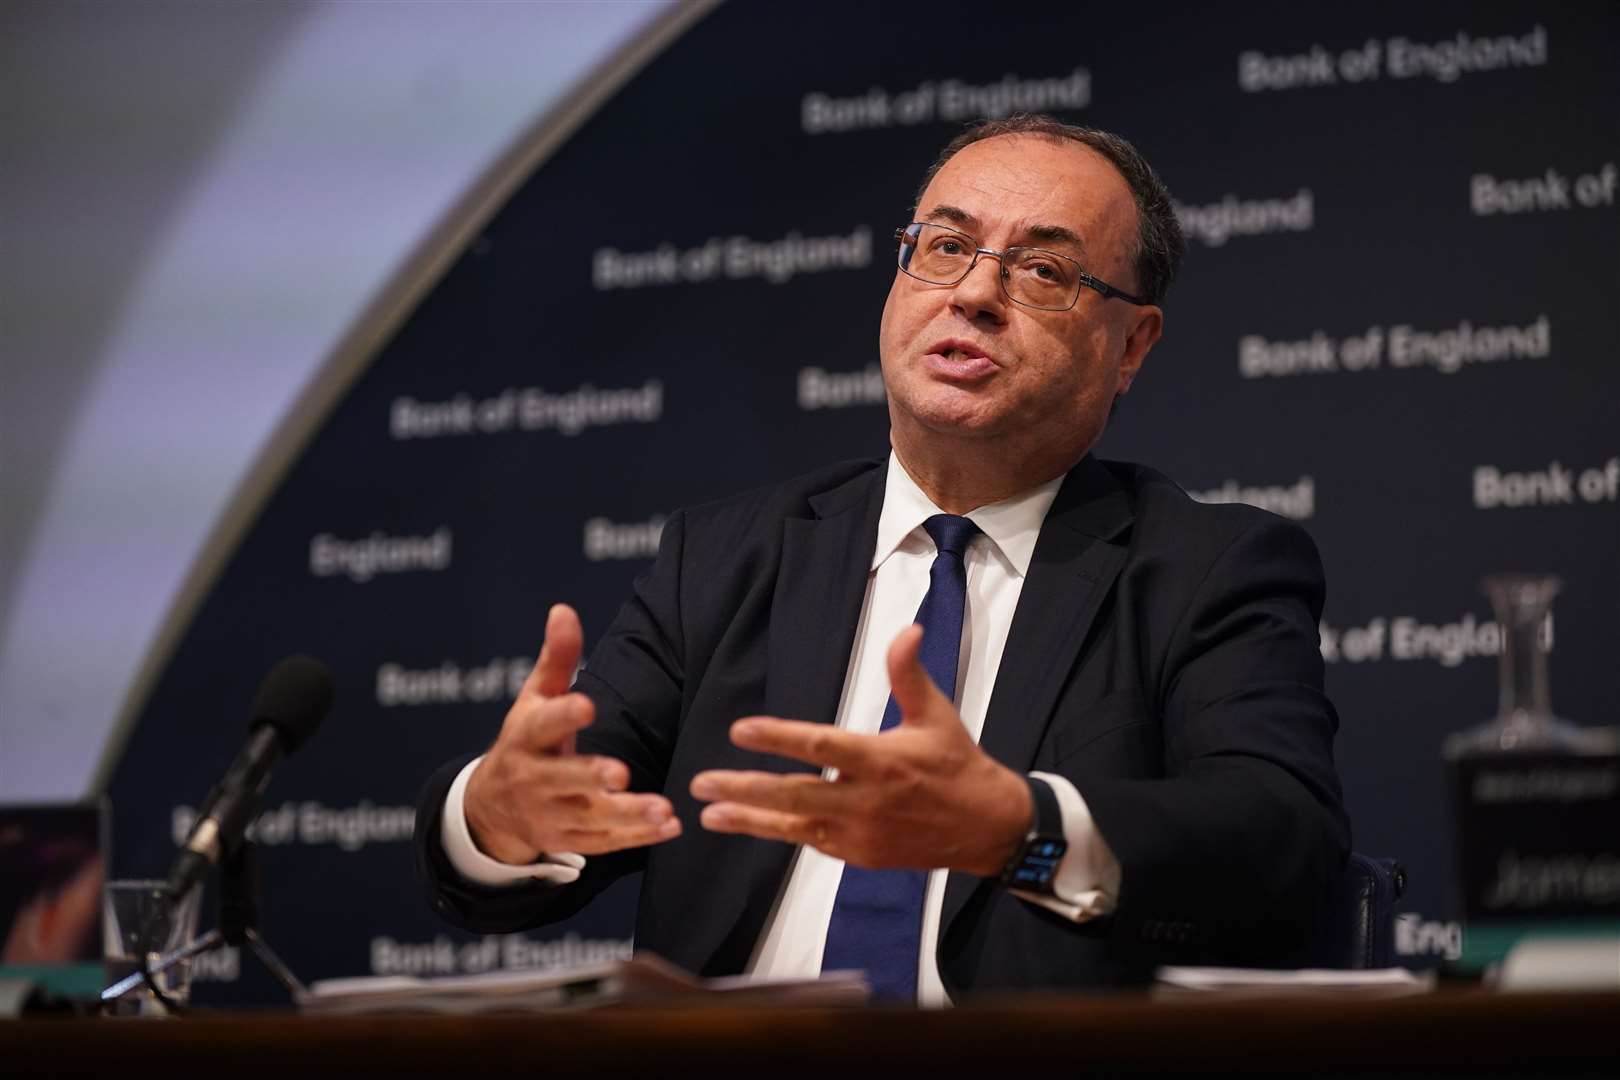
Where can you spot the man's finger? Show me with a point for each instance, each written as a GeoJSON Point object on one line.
{"type": "Point", "coordinates": [614, 774]}
{"type": "Point", "coordinates": [913, 688]}
{"type": "Point", "coordinates": [602, 841]}
{"type": "Point", "coordinates": [559, 656]}
{"type": "Point", "coordinates": [728, 817]}
{"type": "Point", "coordinates": [795, 794]}
{"type": "Point", "coordinates": [608, 811]}
{"type": "Point", "coordinates": [814, 744]}
{"type": "Point", "coordinates": [547, 726]}
{"type": "Point", "coordinates": [557, 777]}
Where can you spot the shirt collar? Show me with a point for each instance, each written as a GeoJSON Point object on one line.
{"type": "Point", "coordinates": [1011, 525]}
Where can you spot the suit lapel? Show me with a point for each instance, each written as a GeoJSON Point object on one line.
{"type": "Point", "coordinates": [1073, 567]}
{"type": "Point", "coordinates": [819, 591]}
{"type": "Point", "coordinates": [820, 587]}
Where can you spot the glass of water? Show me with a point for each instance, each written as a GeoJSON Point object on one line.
{"type": "Point", "coordinates": [127, 908]}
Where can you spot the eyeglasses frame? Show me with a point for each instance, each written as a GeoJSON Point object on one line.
{"type": "Point", "coordinates": [1108, 291]}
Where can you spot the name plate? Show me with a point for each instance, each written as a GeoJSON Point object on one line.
{"type": "Point", "coordinates": [1538, 836]}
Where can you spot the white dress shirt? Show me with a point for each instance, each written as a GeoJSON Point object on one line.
{"type": "Point", "coordinates": [997, 561]}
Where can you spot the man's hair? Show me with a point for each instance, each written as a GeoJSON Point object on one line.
{"type": "Point", "coordinates": [1159, 241]}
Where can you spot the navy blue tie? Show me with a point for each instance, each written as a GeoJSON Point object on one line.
{"type": "Point", "coordinates": [877, 918]}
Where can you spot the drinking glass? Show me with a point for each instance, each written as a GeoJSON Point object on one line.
{"type": "Point", "coordinates": [128, 907]}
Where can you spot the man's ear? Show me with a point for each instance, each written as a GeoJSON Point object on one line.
{"type": "Point", "coordinates": [1144, 331]}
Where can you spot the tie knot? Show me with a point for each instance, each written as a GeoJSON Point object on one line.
{"type": "Point", "coordinates": [951, 533]}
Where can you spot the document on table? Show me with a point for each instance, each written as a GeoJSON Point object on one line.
{"type": "Point", "coordinates": [1377, 982]}
{"type": "Point", "coordinates": [644, 978]}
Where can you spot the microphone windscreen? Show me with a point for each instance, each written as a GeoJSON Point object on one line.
{"type": "Point", "coordinates": [293, 699]}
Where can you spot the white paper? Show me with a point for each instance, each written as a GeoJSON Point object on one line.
{"type": "Point", "coordinates": [1378, 981]}
{"type": "Point", "coordinates": [643, 978]}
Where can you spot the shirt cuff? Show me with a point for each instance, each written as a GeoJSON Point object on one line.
{"type": "Point", "coordinates": [478, 868]}
{"type": "Point", "coordinates": [1087, 880]}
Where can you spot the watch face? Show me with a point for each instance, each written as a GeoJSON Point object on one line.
{"type": "Point", "coordinates": [1038, 863]}
{"type": "Point", "coordinates": [1043, 848]}
{"type": "Point", "coordinates": [1032, 877]}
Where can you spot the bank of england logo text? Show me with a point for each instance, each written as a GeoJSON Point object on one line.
{"type": "Point", "coordinates": [945, 100]}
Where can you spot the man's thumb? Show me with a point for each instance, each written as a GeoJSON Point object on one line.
{"type": "Point", "coordinates": [559, 657]}
{"type": "Point", "coordinates": [913, 688]}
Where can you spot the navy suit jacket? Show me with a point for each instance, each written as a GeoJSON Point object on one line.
{"type": "Point", "coordinates": [1163, 657]}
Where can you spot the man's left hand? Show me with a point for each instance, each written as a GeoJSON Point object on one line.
{"type": "Point", "coordinates": [920, 795]}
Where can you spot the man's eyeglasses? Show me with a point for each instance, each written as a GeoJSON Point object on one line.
{"type": "Point", "coordinates": [1030, 276]}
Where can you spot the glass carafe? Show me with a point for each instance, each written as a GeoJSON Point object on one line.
{"type": "Point", "coordinates": [1524, 721]}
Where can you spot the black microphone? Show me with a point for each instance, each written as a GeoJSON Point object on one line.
{"type": "Point", "coordinates": [292, 701]}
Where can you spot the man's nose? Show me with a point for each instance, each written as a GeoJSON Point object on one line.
{"type": "Point", "coordinates": [980, 293]}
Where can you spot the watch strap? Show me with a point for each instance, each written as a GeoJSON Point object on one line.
{"type": "Point", "coordinates": [1048, 814]}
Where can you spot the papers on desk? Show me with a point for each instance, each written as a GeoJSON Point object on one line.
{"type": "Point", "coordinates": [645, 978]}
{"type": "Point", "coordinates": [1256, 982]}
{"type": "Point", "coordinates": [1576, 962]}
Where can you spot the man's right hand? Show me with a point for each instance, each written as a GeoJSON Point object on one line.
{"type": "Point", "coordinates": [532, 794]}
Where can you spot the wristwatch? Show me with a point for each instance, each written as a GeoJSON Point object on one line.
{"type": "Point", "coordinates": [1034, 865]}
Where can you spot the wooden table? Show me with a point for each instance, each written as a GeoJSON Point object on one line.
{"type": "Point", "coordinates": [1469, 1032]}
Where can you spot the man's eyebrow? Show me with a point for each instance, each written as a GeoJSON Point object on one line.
{"type": "Point", "coordinates": [1055, 234]}
{"type": "Point", "coordinates": [1042, 234]}
{"type": "Point", "coordinates": [954, 214]}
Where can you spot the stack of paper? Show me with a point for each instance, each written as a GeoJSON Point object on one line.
{"type": "Point", "coordinates": [644, 978]}
{"type": "Point", "coordinates": [1256, 982]}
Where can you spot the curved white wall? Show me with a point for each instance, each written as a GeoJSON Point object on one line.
{"type": "Point", "coordinates": [198, 201]}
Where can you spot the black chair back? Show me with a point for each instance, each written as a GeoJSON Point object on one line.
{"type": "Point", "coordinates": [1359, 931]}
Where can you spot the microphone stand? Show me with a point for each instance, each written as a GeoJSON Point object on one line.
{"type": "Point", "coordinates": [238, 926]}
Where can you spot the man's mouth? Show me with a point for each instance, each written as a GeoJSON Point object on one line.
{"type": "Point", "coordinates": [959, 361]}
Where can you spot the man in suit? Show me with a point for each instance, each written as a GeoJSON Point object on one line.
{"type": "Point", "coordinates": [1105, 747]}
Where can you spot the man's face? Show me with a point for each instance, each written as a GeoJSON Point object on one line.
{"type": "Point", "coordinates": [964, 361]}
